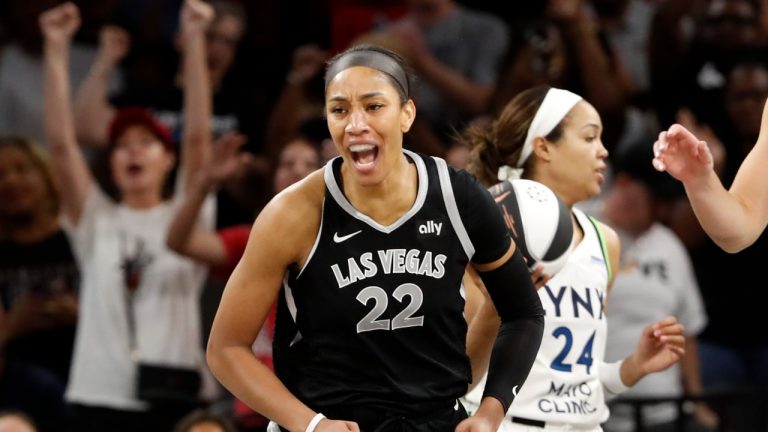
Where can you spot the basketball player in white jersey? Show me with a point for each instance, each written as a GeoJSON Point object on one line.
{"type": "Point", "coordinates": [734, 218]}
{"type": "Point", "coordinates": [553, 136]}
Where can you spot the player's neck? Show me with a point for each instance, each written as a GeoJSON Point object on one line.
{"type": "Point", "coordinates": [387, 201]}
{"type": "Point", "coordinates": [578, 231]}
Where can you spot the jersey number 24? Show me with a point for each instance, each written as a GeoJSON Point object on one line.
{"type": "Point", "coordinates": [585, 358]}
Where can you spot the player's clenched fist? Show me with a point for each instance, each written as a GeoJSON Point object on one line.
{"type": "Point", "coordinates": [196, 16]}
{"type": "Point", "coordinates": [60, 23]}
{"type": "Point", "coordinates": [114, 43]}
{"type": "Point", "coordinates": [476, 424]}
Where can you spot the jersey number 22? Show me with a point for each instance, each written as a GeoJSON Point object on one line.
{"type": "Point", "coordinates": [380, 298]}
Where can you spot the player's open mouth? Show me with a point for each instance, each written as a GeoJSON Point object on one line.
{"type": "Point", "coordinates": [364, 155]}
{"type": "Point", "coordinates": [600, 175]}
{"type": "Point", "coordinates": [135, 169]}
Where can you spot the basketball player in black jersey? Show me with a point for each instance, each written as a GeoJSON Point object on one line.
{"type": "Point", "coordinates": [370, 252]}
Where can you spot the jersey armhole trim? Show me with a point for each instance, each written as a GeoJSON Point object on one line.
{"type": "Point", "coordinates": [603, 245]}
{"type": "Point", "coordinates": [291, 304]}
{"type": "Point", "coordinates": [317, 241]}
{"type": "Point", "coordinates": [453, 210]}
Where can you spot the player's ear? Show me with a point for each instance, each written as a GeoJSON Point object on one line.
{"type": "Point", "coordinates": [542, 148]}
{"type": "Point", "coordinates": [407, 116]}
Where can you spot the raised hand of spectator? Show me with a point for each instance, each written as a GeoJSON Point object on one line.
{"type": "Point", "coordinates": [184, 236]}
{"type": "Point", "coordinates": [196, 16]}
{"type": "Point", "coordinates": [529, 68]}
{"type": "Point", "coordinates": [565, 10]}
{"type": "Point", "coordinates": [411, 38]}
{"type": "Point", "coordinates": [114, 44]}
{"type": "Point", "coordinates": [60, 23]}
{"type": "Point", "coordinates": [226, 160]}
{"type": "Point", "coordinates": [308, 61]}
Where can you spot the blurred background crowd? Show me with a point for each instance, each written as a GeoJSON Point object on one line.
{"type": "Point", "coordinates": [643, 64]}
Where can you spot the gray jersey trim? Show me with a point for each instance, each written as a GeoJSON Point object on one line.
{"type": "Point", "coordinates": [291, 303]}
{"type": "Point", "coordinates": [317, 241]}
{"type": "Point", "coordinates": [452, 208]}
{"type": "Point", "coordinates": [421, 195]}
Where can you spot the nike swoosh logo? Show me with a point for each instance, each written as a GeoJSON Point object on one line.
{"type": "Point", "coordinates": [338, 239]}
{"type": "Point", "coordinates": [514, 390]}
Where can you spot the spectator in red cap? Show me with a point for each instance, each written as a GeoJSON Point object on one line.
{"type": "Point", "coordinates": [138, 116]}
{"type": "Point", "coordinates": [235, 108]}
{"type": "Point", "coordinates": [139, 302]}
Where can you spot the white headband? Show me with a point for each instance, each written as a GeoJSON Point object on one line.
{"type": "Point", "coordinates": [553, 109]}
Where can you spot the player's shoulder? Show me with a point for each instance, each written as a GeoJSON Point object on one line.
{"type": "Point", "coordinates": [297, 205]}
{"type": "Point", "coordinates": [286, 227]}
{"type": "Point", "coordinates": [608, 234]}
{"type": "Point", "coordinates": [310, 189]}
{"type": "Point", "coordinates": [459, 178]}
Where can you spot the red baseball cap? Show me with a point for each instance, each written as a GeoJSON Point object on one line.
{"type": "Point", "coordinates": [130, 116]}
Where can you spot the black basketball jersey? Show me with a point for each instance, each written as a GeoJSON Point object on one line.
{"type": "Point", "coordinates": [375, 317]}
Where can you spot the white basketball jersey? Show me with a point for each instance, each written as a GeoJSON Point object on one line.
{"type": "Point", "coordinates": [563, 386]}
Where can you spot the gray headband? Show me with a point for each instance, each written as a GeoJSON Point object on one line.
{"type": "Point", "coordinates": [374, 60]}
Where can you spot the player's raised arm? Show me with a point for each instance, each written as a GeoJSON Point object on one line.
{"type": "Point", "coordinates": [73, 175]}
{"type": "Point", "coordinates": [733, 218]}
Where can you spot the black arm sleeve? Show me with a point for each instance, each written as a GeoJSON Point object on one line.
{"type": "Point", "coordinates": [481, 218]}
{"type": "Point", "coordinates": [521, 330]}
{"type": "Point", "coordinates": [510, 288]}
